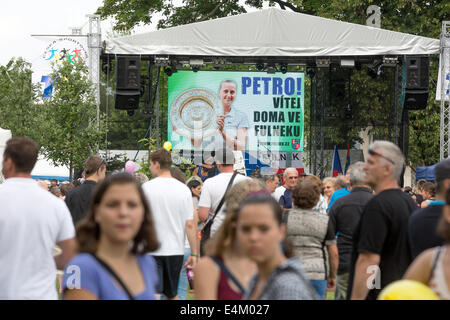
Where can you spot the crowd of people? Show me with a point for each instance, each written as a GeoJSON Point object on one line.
{"type": "Point", "coordinates": [221, 235]}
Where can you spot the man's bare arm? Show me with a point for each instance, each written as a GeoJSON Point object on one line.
{"type": "Point", "coordinates": [362, 274]}
{"type": "Point", "coordinates": [68, 252]}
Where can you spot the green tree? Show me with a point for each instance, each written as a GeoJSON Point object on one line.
{"type": "Point", "coordinates": [18, 110]}
{"type": "Point", "coordinates": [71, 129]}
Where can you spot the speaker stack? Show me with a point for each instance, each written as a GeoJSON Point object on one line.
{"type": "Point", "coordinates": [417, 77]}
{"type": "Point", "coordinates": [128, 79]}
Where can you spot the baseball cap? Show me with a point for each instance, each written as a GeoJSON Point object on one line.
{"type": "Point", "coordinates": [442, 170]}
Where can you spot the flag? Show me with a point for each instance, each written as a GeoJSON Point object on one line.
{"type": "Point", "coordinates": [347, 161]}
{"type": "Point", "coordinates": [252, 163]}
{"type": "Point", "coordinates": [336, 169]}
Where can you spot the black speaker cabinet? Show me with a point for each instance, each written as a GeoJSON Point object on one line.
{"type": "Point", "coordinates": [128, 73]}
{"type": "Point", "coordinates": [417, 72]}
{"type": "Point", "coordinates": [127, 99]}
{"type": "Point", "coordinates": [416, 99]}
{"type": "Point", "coordinates": [417, 78]}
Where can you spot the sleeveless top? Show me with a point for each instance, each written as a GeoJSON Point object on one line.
{"type": "Point", "coordinates": [437, 281]}
{"type": "Point", "coordinates": [309, 233]}
{"type": "Point", "coordinates": [85, 272]}
{"type": "Point", "coordinates": [224, 290]}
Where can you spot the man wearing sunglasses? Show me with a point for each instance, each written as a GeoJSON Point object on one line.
{"type": "Point", "coordinates": [290, 181]}
{"type": "Point", "coordinates": [381, 252]}
{"type": "Point", "coordinates": [78, 199]}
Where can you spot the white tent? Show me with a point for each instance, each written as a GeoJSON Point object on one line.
{"type": "Point", "coordinates": [45, 170]}
{"type": "Point", "coordinates": [5, 135]}
{"type": "Point", "coordinates": [273, 32]}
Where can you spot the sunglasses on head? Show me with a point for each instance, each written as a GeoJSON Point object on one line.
{"type": "Point", "coordinates": [103, 162]}
{"type": "Point", "coordinates": [374, 153]}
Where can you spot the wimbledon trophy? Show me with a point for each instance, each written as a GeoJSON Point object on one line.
{"type": "Point", "coordinates": [194, 113]}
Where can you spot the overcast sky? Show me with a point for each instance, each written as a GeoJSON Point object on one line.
{"type": "Point", "coordinates": [20, 19]}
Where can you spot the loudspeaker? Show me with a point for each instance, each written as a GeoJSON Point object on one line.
{"type": "Point", "coordinates": [128, 82]}
{"type": "Point", "coordinates": [127, 99]}
{"type": "Point", "coordinates": [128, 73]}
{"type": "Point", "coordinates": [417, 78]}
{"type": "Point", "coordinates": [416, 99]}
{"type": "Point", "coordinates": [417, 72]}
{"type": "Point", "coordinates": [338, 106]}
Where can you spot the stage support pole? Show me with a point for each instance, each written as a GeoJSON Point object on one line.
{"type": "Point", "coordinates": [445, 97]}
{"type": "Point", "coordinates": [94, 45]}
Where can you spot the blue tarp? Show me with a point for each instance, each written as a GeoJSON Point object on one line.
{"type": "Point", "coordinates": [426, 173]}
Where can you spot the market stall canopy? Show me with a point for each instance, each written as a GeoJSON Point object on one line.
{"type": "Point", "coordinates": [273, 32]}
{"type": "Point", "coordinates": [5, 135]}
{"type": "Point", "coordinates": [45, 170]}
{"type": "Point", "coordinates": [426, 173]}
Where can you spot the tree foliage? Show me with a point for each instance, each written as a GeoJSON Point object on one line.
{"type": "Point", "coordinates": [71, 130]}
{"type": "Point", "coordinates": [18, 110]}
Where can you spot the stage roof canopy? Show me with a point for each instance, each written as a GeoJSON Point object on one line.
{"type": "Point", "coordinates": [272, 32]}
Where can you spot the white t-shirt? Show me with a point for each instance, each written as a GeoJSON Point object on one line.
{"type": "Point", "coordinates": [32, 221]}
{"type": "Point", "coordinates": [279, 191]}
{"type": "Point", "coordinates": [212, 192]}
{"type": "Point", "coordinates": [171, 205]}
{"type": "Point", "coordinates": [322, 205]}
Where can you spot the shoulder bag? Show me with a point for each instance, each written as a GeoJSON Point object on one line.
{"type": "Point", "coordinates": [111, 271]}
{"type": "Point", "coordinates": [206, 231]}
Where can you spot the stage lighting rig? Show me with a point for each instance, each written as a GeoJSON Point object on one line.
{"type": "Point", "coordinates": [390, 61]}
{"type": "Point", "coordinates": [271, 68]}
{"type": "Point", "coordinates": [310, 72]}
{"type": "Point", "coordinates": [218, 62]}
{"type": "Point", "coordinates": [347, 62]}
{"type": "Point", "coordinates": [324, 62]}
{"type": "Point", "coordinates": [161, 61]}
{"type": "Point", "coordinates": [196, 64]}
{"type": "Point", "coordinates": [374, 69]}
{"type": "Point", "coordinates": [168, 71]}
{"type": "Point", "coordinates": [283, 68]}
{"type": "Point", "coordinates": [260, 66]}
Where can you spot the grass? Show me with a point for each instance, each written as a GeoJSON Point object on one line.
{"type": "Point", "coordinates": [330, 295]}
{"type": "Point", "coordinates": [190, 296]}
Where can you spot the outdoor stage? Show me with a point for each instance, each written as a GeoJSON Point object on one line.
{"type": "Point", "coordinates": [275, 40]}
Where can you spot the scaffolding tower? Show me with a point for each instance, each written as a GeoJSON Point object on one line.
{"type": "Point", "coordinates": [445, 96]}
{"type": "Point", "coordinates": [94, 45]}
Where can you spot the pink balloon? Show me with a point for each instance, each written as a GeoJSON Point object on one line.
{"type": "Point", "coordinates": [129, 167]}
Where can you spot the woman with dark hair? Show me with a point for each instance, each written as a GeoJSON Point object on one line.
{"type": "Point", "coordinates": [113, 242]}
{"type": "Point", "coordinates": [196, 189]}
{"type": "Point", "coordinates": [225, 273]}
{"type": "Point", "coordinates": [261, 232]}
{"type": "Point", "coordinates": [429, 194]}
{"type": "Point", "coordinates": [432, 267]}
{"type": "Point", "coordinates": [310, 234]}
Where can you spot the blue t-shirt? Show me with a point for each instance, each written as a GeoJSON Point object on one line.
{"type": "Point", "coordinates": [286, 199]}
{"type": "Point", "coordinates": [338, 194]}
{"type": "Point", "coordinates": [85, 272]}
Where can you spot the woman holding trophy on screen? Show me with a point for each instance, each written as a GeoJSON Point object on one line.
{"type": "Point", "coordinates": [192, 116]}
